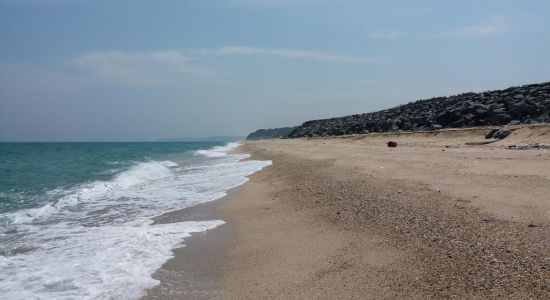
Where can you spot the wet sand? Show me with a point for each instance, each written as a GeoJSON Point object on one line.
{"type": "Point", "coordinates": [193, 272]}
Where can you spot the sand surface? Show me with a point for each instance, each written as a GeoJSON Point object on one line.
{"type": "Point", "coordinates": [349, 218]}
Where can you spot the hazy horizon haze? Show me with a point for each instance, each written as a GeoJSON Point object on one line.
{"type": "Point", "coordinates": [97, 70]}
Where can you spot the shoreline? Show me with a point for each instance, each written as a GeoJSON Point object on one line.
{"type": "Point", "coordinates": [438, 220]}
{"type": "Point", "coordinates": [192, 272]}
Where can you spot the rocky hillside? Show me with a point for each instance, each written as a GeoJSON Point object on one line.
{"type": "Point", "coordinates": [516, 105]}
{"type": "Point", "coordinates": [270, 133]}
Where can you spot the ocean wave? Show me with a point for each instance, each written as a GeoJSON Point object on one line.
{"type": "Point", "coordinates": [104, 262]}
{"type": "Point", "coordinates": [218, 151]}
{"type": "Point", "coordinates": [139, 174]}
{"type": "Point", "coordinates": [96, 241]}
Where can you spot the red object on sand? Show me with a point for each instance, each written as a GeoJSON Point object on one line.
{"type": "Point", "coordinates": [392, 144]}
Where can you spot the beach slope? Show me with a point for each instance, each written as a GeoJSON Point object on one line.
{"type": "Point", "coordinates": [350, 218]}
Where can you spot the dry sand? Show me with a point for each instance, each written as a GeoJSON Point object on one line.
{"type": "Point", "coordinates": [349, 218]}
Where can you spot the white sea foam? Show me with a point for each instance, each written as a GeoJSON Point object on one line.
{"type": "Point", "coordinates": [96, 240]}
{"type": "Point", "coordinates": [103, 262]}
{"type": "Point", "coordinates": [141, 173]}
{"type": "Point", "coordinates": [218, 151]}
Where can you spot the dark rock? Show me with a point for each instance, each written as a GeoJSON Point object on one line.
{"type": "Point", "coordinates": [392, 144]}
{"type": "Point", "coordinates": [502, 133]}
{"type": "Point", "coordinates": [522, 108]}
{"type": "Point", "coordinates": [446, 117]}
{"type": "Point", "coordinates": [543, 118]}
{"type": "Point", "coordinates": [491, 133]}
{"type": "Point", "coordinates": [480, 111]}
{"type": "Point", "coordinates": [261, 134]}
{"type": "Point", "coordinates": [499, 119]}
{"type": "Point", "coordinates": [469, 117]}
{"type": "Point", "coordinates": [528, 104]}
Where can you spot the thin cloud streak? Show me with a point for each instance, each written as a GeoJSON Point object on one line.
{"type": "Point", "coordinates": [144, 69]}
{"type": "Point", "coordinates": [496, 25]}
{"type": "Point", "coordinates": [293, 54]}
{"type": "Point", "coordinates": [154, 69]}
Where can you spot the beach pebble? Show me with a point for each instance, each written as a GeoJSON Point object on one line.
{"type": "Point", "coordinates": [392, 144]}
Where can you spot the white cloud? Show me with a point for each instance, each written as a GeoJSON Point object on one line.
{"type": "Point", "coordinates": [150, 69]}
{"type": "Point", "coordinates": [496, 25]}
{"type": "Point", "coordinates": [493, 26]}
{"type": "Point", "coordinates": [295, 54]}
{"type": "Point", "coordinates": [174, 67]}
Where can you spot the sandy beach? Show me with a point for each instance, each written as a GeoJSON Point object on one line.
{"type": "Point", "coordinates": [350, 218]}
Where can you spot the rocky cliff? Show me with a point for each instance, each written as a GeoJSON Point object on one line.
{"type": "Point", "coordinates": [516, 105]}
{"type": "Point", "coordinates": [274, 133]}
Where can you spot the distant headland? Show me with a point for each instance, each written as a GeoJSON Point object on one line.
{"type": "Point", "coordinates": [528, 104]}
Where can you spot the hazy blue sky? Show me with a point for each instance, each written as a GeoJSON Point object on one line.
{"type": "Point", "coordinates": [143, 70]}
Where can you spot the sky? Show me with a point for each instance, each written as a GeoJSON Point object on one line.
{"type": "Point", "coordinates": [135, 70]}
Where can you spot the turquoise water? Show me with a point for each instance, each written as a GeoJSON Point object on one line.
{"type": "Point", "coordinates": [76, 219]}
{"type": "Point", "coordinates": [29, 170]}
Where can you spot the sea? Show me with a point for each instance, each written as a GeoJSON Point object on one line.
{"type": "Point", "coordinates": [76, 218]}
